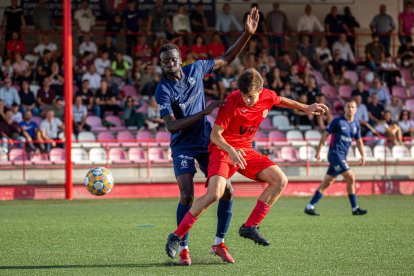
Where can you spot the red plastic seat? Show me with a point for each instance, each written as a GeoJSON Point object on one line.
{"type": "Point", "coordinates": [289, 154]}
{"type": "Point", "coordinates": [157, 155]}
{"type": "Point", "coordinates": [126, 139]}
{"type": "Point", "coordinates": [118, 156]}
{"type": "Point", "coordinates": [145, 138]}
{"type": "Point", "coordinates": [329, 91]}
{"type": "Point", "coordinates": [137, 155]}
{"type": "Point", "coordinates": [95, 122]}
{"type": "Point", "coordinates": [163, 138]}
{"type": "Point", "coordinates": [116, 121]}
{"type": "Point", "coordinates": [266, 124]}
{"type": "Point", "coordinates": [40, 159]}
{"type": "Point", "coordinates": [345, 91]}
{"type": "Point", "coordinates": [57, 156]}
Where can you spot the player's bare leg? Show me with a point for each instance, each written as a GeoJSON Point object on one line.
{"type": "Point", "coordinates": [326, 182]}
{"type": "Point", "coordinates": [349, 177]}
{"type": "Point", "coordinates": [277, 182]}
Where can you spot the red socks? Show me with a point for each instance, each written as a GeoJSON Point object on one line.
{"type": "Point", "coordinates": [257, 215]}
{"type": "Point", "coordinates": [185, 225]}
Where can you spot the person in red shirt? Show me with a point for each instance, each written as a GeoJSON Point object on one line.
{"type": "Point", "coordinates": [15, 45]}
{"type": "Point", "coordinates": [231, 150]}
{"type": "Point", "coordinates": [216, 47]}
{"type": "Point", "coordinates": [142, 49]}
{"type": "Point", "coordinates": [199, 47]}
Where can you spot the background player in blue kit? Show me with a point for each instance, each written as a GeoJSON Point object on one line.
{"type": "Point", "coordinates": [343, 129]}
{"type": "Point", "coordinates": [180, 96]}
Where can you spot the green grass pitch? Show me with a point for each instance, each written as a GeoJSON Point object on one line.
{"type": "Point", "coordinates": [127, 237]}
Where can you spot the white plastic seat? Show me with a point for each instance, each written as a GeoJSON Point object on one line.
{"type": "Point", "coordinates": [98, 156]}
{"type": "Point", "coordinates": [80, 156]}
{"type": "Point", "coordinates": [382, 152]}
{"type": "Point", "coordinates": [295, 138]}
{"type": "Point", "coordinates": [87, 139]}
{"type": "Point", "coordinates": [281, 122]}
{"type": "Point", "coordinates": [369, 156]}
{"type": "Point", "coordinates": [307, 153]}
{"type": "Point", "coordinates": [313, 137]}
{"type": "Point", "coordinates": [400, 152]}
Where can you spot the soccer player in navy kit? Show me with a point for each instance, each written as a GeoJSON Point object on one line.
{"type": "Point", "coordinates": [180, 96]}
{"type": "Point", "coordinates": [343, 129]}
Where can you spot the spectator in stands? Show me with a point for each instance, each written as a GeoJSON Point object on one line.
{"type": "Point", "coordinates": [56, 79]}
{"type": "Point", "coordinates": [181, 21]}
{"type": "Point", "coordinates": [381, 90]}
{"type": "Point", "coordinates": [7, 68]}
{"type": "Point", "coordinates": [375, 110]}
{"type": "Point", "coordinates": [225, 23]}
{"type": "Point", "coordinates": [311, 90]}
{"type": "Point", "coordinates": [108, 47]}
{"type": "Point", "coordinates": [346, 52]}
{"type": "Point", "coordinates": [324, 120]}
{"type": "Point", "coordinates": [142, 49]}
{"type": "Point", "coordinates": [189, 58]}
{"type": "Point", "coordinates": [406, 55]}
{"type": "Point", "coordinates": [250, 61]}
{"type": "Point", "coordinates": [27, 98]}
{"type": "Point", "coordinates": [114, 27]}
{"type": "Point", "coordinates": [131, 116]}
{"type": "Point", "coordinates": [85, 20]}
{"type": "Point", "coordinates": [361, 91]}
{"type": "Point", "coordinates": [322, 55]}
{"type": "Point", "coordinates": [210, 87]}
{"type": "Point", "coordinates": [44, 44]}
{"type": "Point", "coordinates": [179, 41]}
{"type": "Point", "coordinates": [10, 130]}
{"type": "Point", "coordinates": [361, 114]}
{"type": "Point", "coordinates": [395, 106]}
{"type": "Point", "coordinates": [8, 94]}
{"type": "Point", "coordinates": [94, 79]}
{"type": "Point", "coordinates": [159, 24]}
{"type": "Point", "coordinates": [199, 47]}
{"type": "Point", "coordinates": [264, 61]}
{"type": "Point", "coordinates": [17, 115]}
{"type": "Point", "coordinates": [226, 81]}
{"type": "Point", "coordinates": [31, 132]}
{"type": "Point", "coordinates": [120, 67]}
{"type": "Point", "coordinates": [13, 21]}
{"type": "Point", "coordinates": [405, 22]}
{"type": "Point", "coordinates": [131, 17]}
{"type": "Point", "coordinates": [383, 24]}
{"type": "Point", "coordinates": [153, 114]}
{"type": "Point", "coordinates": [278, 25]}
{"type": "Point", "coordinates": [253, 47]}
{"type": "Point", "coordinates": [45, 96]}
{"type": "Point", "coordinates": [58, 108]}
{"type": "Point", "coordinates": [50, 129]}
{"type": "Point", "coordinates": [296, 80]}
{"type": "Point", "coordinates": [334, 25]}
{"type": "Point", "coordinates": [389, 128]}
{"type": "Point", "coordinates": [2, 110]}
{"type": "Point", "coordinates": [284, 63]}
{"type": "Point", "coordinates": [113, 83]}
{"type": "Point", "coordinates": [102, 62]}
{"type": "Point", "coordinates": [198, 19]}
{"type": "Point", "coordinates": [44, 66]}
{"type": "Point", "coordinates": [105, 100]}
{"type": "Point", "coordinates": [302, 118]}
{"type": "Point", "coordinates": [336, 69]}
{"type": "Point", "coordinates": [374, 53]}
{"type": "Point", "coordinates": [307, 50]}
{"type": "Point", "coordinates": [351, 23]}
{"type": "Point", "coordinates": [15, 45]}
{"type": "Point", "coordinates": [86, 94]}
{"type": "Point", "coordinates": [274, 79]}
{"type": "Point", "coordinates": [79, 116]}
{"type": "Point", "coordinates": [390, 73]}
{"type": "Point", "coordinates": [88, 46]}
{"type": "Point", "coordinates": [406, 123]}
{"type": "Point", "coordinates": [304, 68]}
{"type": "Point", "coordinates": [215, 47]}
{"type": "Point", "coordinates": [43, 19]}
{"type": "Point", "coordinates": [308, 23]}
{"type": "Point", "coordinates": [82, 65]}
{"type": "Point", "coordinates": [21, 68]}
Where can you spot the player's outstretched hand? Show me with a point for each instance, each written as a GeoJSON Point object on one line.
{"type": "Point", "coordinates": [317, 109]}
{"type": "Point", "coordinates": [237, 156]}
{"type": "Point", "coordinates": [252, 21]}
{"type": "Point", "coordinates": [318, 157]}
{"type": "Point", "coordinates": [212, 106]}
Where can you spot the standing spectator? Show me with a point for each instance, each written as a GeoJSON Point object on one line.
{"type": "Point", "coordinates": [334, 25]}
{"type": "Point", "coordinates": [395, 106]}
{"type": "Point", "coordinates": [44, 44]}
{"type": "Point", "coordinates": [13, 21]}
{"type": "Point", "coordinates": [345, 51]}
{"type": "Point", "coordinates": [375, 110]}
{"type": "Point", "coordinates": [43, 19]}
{"type": "Point", "coordinates": [79, 116]}
{"type": "Point", "coordinates": [10, 131]}
{"type": "Point", "coordinates": [8, 94]}
{"type": "Point", "coordinates": [278, 25]}
{"type": "Point", "coordinates": [351, 24]}
{"type": "Point", "coordinates": [27, 98]}
{"type": "Point", "coordinates": [86, 94]}
{"type": "Point", "coordinates": [159, 24]}
{"type": "Point", "coordinates": [44, 66]}
{"type": "Point", "coordinates": [85, 20]}
{"type": "Point", "coordinates": [323, 55]}
{"type": "Point", "coordinates": [308, 23]}
{"type": "Point", "coordinates": [45, 96]}
{"type": "Point", "coordinates": [361, 91]}
{"type": "Point", "coordinates": [50, 129]}
{"type": "Point", "coordinates": [31, 132]}
{"type": "Point", "coordinates": [56, 79]}
{"type": "Point", "coordinates": [105, 101]}
{"type": "Point", "coordinates": [225, 23]}
{"type": "Point", "coordinates": [406, 123]}
{"type": "Point", "coordinates": [88, 46]}
{"type": "Point", "coordinates": [94, 79]}
{"type": "Point", "coordinates": [216, 47]}
{"type": "Point", "coordinates": [381, 91]}
{"type": "Point", "coordinates": [374, 53]}
{"type": "Point", "coordinates": [181, 21]}
{"type": "Point", "coordinates": [405, 22]}
{"type": "Point", "coordinates": [198, 19]}
{"type": "Point", "coordinates": [114, 27]}
{"type": "Point", "coordinates": [383, 24]}
{"type": "Point", "coordinates": [15, 45]}
{"type": "Point", "coordinates": [131, 17]}
{"type": "Point", "coordinates": [199, 47]}
{"type": "Point", "coordinates": [102, 62]}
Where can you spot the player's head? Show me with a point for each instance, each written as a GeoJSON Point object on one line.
{"type": "Point", "coordinates": [170, 59]}
{"type": "Point", "coordinates": [250, 83]}
{"type": "Point", "coordinates": [350, 109]}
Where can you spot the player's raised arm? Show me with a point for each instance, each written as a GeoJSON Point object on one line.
{"type": "Point", "coordinates": [249, 29]}
{"type": "Point", "coordinates": [313, 109]}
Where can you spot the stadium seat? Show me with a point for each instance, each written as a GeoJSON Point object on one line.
{"type": "Point", "coordinates": [126, 139]}
{"type": "Point", "coordinates": [157, 155]}
{"type": "Point", "coordinates": [401, 153]}
{"type": "Point", "coordinates": [307, 152]}
{"type": "Point", "coordinates": [87, 139]}
{"type": "Point", "coordinates": [351, 155]}
{"type": "Point", "coordinates": [37, 120]}
{"type": "Point", "coordinates": [295, 138]}
{"type": "Point", "coordinates": [18, 157]}
{"type": "Point", "coordinates": [57, 156]}
{"type": "Point", "coordinates": [266, 124]}
{"type": "Point", "coordinates": [98, 156]}
{"type": "Point", "coordinates": [163, 138]}
{"type": "Point", "coordinates": [137, 155]}
{"type": "Point", "coordinates": [145, 138]}
{"type": "Point", "coordinates": [409, 104]}
{"type": "Point", "coordinates": [277, 138]}
{"type": "Point", "coordinates": [118, 156]}
{"type": "Point", "coordinates": [116, 121]}
{"type": "Point", "coordinates": [107, 138]}
{"type": "Point", "coordinates": [40, 159]}
{"type": "Point", "coordinates": [406, 75]}
{"type": "Point", "coordinates": [369, 156]}
{"type": "Point", "coordinates": [276, 156]}
{"type": "Point", "coordinates": [352, 76]}
{"type": "Point", "coordinates": [345, 91]}
{"type": "Point", "coordinates": [129, 90]}
{"type": "Point", "coordinates": [313, 137]}
{"type": "Point", "coordinates": [289, 154]}
{"type": "Point", "coordinates": [382, 153]}
{"type": "Point", "coordinates": [281, 122]}
{"type": "Point", "coordinates": [319, 78]}
{"type": "Point", "coordinates": [95, 122]}
{"type": "Point", "coordinates": [143, 108]}
{"type": "Point", "coordinates": [399, 91]}
{"type": "Point", "coordinates": [329, 91]}
{"type": "Point", "coordinates": [412, 152]}
{"type": "Point", "coordinates": [80, 156]}
{"type": "Point", "coordinates": [261, 139]}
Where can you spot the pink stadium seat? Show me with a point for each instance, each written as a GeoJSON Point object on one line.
{"type": "Point", "coordinates": [40, 159]}
{"type": "Point", "coordinates": [95, 122]}
{"type": "Point", "coordinates": [107, 138]}
{"type": "Point", "coordinates": [352, 76]}
{"type": "Point", "coordinates": [37, 120]}
{"type": "Point", "coordinates": [116, 121]}
{"type": "Point", "coordinates": [409, 105]}
{"type": "Point", "coordinates": [130, 90]}
{"type": "Point", "coordinates": [266, 124]}
{"type": "Point", "coordinates": [276, 156]}
{"type": "Point", "coordinates": [145, 138]}
{"type": "Point", "coordinates": [57, 156]}
{"type": "Point", "coordinates": [163, 138]}
{"type": "Point", "coordinates": [126, 139]}
{"type": "Point", "coordinates": [143, 108]}
{"type": "Point", "coordinates": [261, 139]}
{"type": "Point", "coordinates": [399, 92]}
{"type": "Point", "coordinates": [319, 78]}
{"type": "Point", "coordinates": [157, 155]}
{"type": "Point", "coordinates": [289, 154]}
{"type": "Point", "coordinates": [405, 74]}
{"type": "Point", "coordinates": [118, 156]}
{"type": "Point", "coordinates": [277, 138]}
{"type": "Point", "coordinates": [345, 91]}
{"type": "Point", "coordinates": [329, 91]}
{"type": "Point", "coordinates": [17, 157]}
{"type": "Point", "coordinates": [137, 155]}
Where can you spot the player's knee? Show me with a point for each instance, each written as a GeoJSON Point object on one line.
{"type": "Point", "coordinates": [228, 193]}
{"type": "Point", "coordinates": [186, 199]}
{"type": "Point", "coordinates": [279, 181]}
{"type": "Point", "coordinates": [213, 196]}
{"type": "Point", "coordinates": [283, 181]}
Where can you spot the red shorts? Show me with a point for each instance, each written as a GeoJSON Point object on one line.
{"type": "Point", "coordinates": [220, 164]}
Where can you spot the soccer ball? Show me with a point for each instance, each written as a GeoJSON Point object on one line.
{"type": "Point", "coordinates": [99, 181]}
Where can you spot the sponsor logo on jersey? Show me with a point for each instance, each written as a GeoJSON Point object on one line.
{"type": "Point", "coordinates": [346, 139]}
{"type": "Point", "coordinates": [354, 129]}
{"type": "Point", "coordinates": [191, 100]}
{"type": "Point", "coordinates": [248, 129]}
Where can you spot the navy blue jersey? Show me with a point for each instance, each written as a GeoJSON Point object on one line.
{"type": "Point", "coordinates": [343, 132]}
{"type": "Point", "coordinates": [184, 98]}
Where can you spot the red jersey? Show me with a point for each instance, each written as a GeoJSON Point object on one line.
{"type": "Point", "coordinates": [240, 121]}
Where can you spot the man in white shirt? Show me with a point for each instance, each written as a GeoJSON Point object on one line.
{"type": "Point", "coordinates": [226, 22]}
{"type": "Point", "coordinates": [88, 46]}
{"type": "Point", "coordinates": [50, 129]}
{"type": "Point", "coordinates": [45, 44]}
{"type": "Point", "coordinates": [8, 94]}
{"type": "Point", "coordinates": [102, 62]}
{"type": "Point", "coordinates": [181, 21]}
{"type": "Point", "coordinates": [85, 19]}
{"type": "Point", "coordinates": [93, 77]}
{"type": "Point", "coordinates": [345, 50]}
{"type": "Point", "coordinates": [79, 116]}
{"type": "Point", "coordinates": [309, 23]}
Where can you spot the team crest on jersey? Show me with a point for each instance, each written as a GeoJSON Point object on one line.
{"type": "Point", "coordinates": [265, 112]}
{"type": "Point", "coordinates": [354, 129]}
{"type": "Point", "coordinates": [191, 81]}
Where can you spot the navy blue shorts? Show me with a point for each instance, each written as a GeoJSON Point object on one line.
{"type": "Point", "coordinates": [337, 166]}
{"type": "Point", "coordinates": [184, 162]}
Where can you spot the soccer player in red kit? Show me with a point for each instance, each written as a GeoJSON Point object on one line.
{"type": "Point", "coordinates": [231, 150]}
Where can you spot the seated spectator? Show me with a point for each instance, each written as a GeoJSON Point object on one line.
{"type": "Point", "coordinates": [336, 69]}
{"type": "Point", "coordinates": [390, 73]}
{"type": "Point", "coordinates": [284, 63]}
{"type": "Point", "coordinates": [88, 46]}
{"type": "Point", "coordinates": [27, 98]}
{"type": "Point", "coordinates": [210, 87]}
{"type": "Point", "coordinates": [15, 45]}
{"type": "Point", "coordinates": [153, 114]}
{"type": "Point", "coordinates": [306, 49]}
{"type": "Point", "coordinates": [44, 66]}
{"type": "Point", "coordinates": [80, 114]}
{"type": "Point", "coordinates": [108, 47]}
{"type": "Point", "coordinates": [21, 68]}
{"type": "Point", "coordinates": [179, 41]}
{"type": "Point", "coordinates": [45, 44]}
{"type": "Point", "coordinates": [361, 91]}
{"type": "Point", "coordinates": [389, 128]}
{"type": "Point", "coordinates": [113, 82]}
{"type": "Point", "coordinates": [82, 65]}
{"type": "Point", "coordinates": [131, 116]}
{"type": "Point", "coordinates": [150, 87]}
{"type": "Point", "coordinates": [406, 123]}
{"type": "Point", "coordinates": [361, 114]}
{"type": "Point", "coordinates": [302, 118]}
{"type": "Point", "coordinates": [226, 81]}
{"type": "Point", "coordinates": [322, 55]}
{"type": "Point", "coordinates": [199, 47]}
{"type": "Point", "coordinates": [142, 50]}
{"type": "Point", "coordinates": [296, 80]}
{"type": "Point", "coordinates": [304, 67]}
{"type": "Point", "coordinates": [31, 132]}
{"type": "Point", "coordinates": [406, 54]}
{"type": "Point", "coordinates": [274, 79]}
{"type": "Point", "coordinates": [395, 106]}
{"type": "Point", "coordinates": [8, 94]}
{"type": "Point", "coordinates": [7, 69]}
{"type": "Point", "coordinates": [45, 96]}
{"type": "Point", "coordinates": [374, 53]}
{"type": "Point", "coordinates": [105, 101]}
{"type": "Point", "coordinates": [375, 110]}
{"type": "Point", "coordinates": [86, 94]}
{"type": "Point", "coordinates": [265, 60]}
{"type": "Point", "coordinates": [198, 19]}
{"type": "Point", "coordinates": [56, 79]}
{"type": "Point", "coordinates": [120, 67]}
{"type": "Point", "coordinates": [94, 79]}
{"type": "Point", "coordinates": [345, 51]}
{"type": "Point", "coordinates": [10, 131]}
{"type": "Point", "coordinates": [102, 62]}
{"type": "Point", "coordinates": [216, 47]}
{"type": "Point", "coordinates": [381, 90]}
{"type": "Point", "coordinates": [50, 129]}
{"type": "Point", "coordinates": [58, 108]}
{"type": "Point", "coordinates": [17, 115]}
{"type": "Point", "coordinates": [311, 90]}
{"type": "Point", "coordinates": [189, 58]}
{"type": "Point", "coordinates": [324, 120]}
{"type": "Point", "coordinates": [251, 61]}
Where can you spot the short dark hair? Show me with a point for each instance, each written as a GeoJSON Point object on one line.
{"type": "Point", "coordinates": [250, 80]}
{"type": "Point", "coordinates": [168, 47]}
{"type": "Point", "coordinates": [350, 101]}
